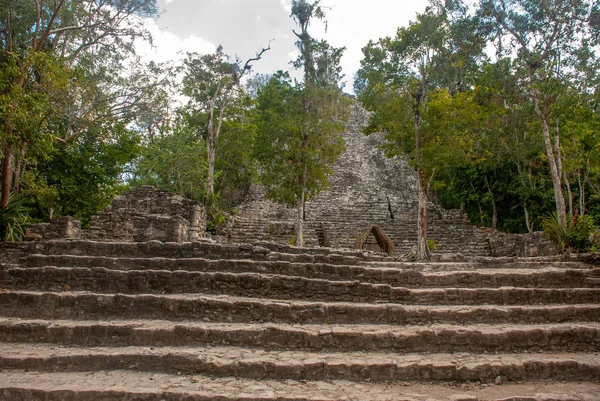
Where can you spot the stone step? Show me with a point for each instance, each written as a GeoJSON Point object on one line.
{"type": "Point", "coordinates": [481, 263]}
{"type": "Point", "coordinates": [403, 274]}
{"type": "Point", "coordinates": [202, 249]}
{"type": "Point", "coordinates": [19, 385]}
{"type": "Point", "coordinates": [277, 286]}
{"type": "Point", "coordinates": [565, 337]}
{"type": "Point", "coordinates": [293, 365]}
{"type": "Point", "coordinates": [219, 308]}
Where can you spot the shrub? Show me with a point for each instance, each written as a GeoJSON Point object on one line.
{"type": "Point", "coordinates": [575, 236]}
{"type": "Point", "coordinates": [13, 219]}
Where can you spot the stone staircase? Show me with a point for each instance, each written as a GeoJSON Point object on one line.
{"type": "Point", "coordinates": [366, 188]}
{"type": "Point", "coordinates": [96, 321]}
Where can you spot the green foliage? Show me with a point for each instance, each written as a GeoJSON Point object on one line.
{"type": "Point", "coordinates": [208, 79]}
{"type": "Point", "coordinates": [235, 166]}
{"type": "Point", "coordinates": [80, 178]}
{"type": "Point", "coordinates": [289, 139]}
{"type": "Point", "coordinates": [575, 236]}
{"type": "Point", "coordinates": [579, 236]}
{"type": "Point", "coordinates": [409, 83]}
{"type": "Point", "coordinates": [432, 244]}
{"type": "Point", "coordinates": [13, 219]}
{"type": "Point", "coordinates": [175, 162]}
{"type": "Point", "coordinates": [215, 217]}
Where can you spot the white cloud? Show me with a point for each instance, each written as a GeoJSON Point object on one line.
{"type": "Point", "coordinates": [168, 46]}
{"type": "Point", "coordinates": [287, 4]}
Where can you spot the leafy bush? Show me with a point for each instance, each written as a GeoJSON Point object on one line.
{"type": "Point", "coordinates": [579, 237]}
{"type": "Point", "coordinates": [576, 235]}
{"type": "Point", "coordinates": [13, 219]}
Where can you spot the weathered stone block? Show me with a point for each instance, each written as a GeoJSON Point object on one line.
{"type": "Point", "coordinates": [147, 214]}
{"type": "Point", "coordinates": [160, 228]}
{"type": "Point", "coordinates": [60, 228]}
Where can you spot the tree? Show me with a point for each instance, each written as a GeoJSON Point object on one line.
{"type": "Point", "coordinates": [174, 160]}
{"type": "Point", "coordinates": [298, 124]}
{"type": "Point", "coordinates": [398, 76]}
{"type": "Point", "coordinates": [82, 176]}
{"type": "Point", "coordinates": [549, 38]}
{"type": "Point", "coordinates": [47, 51]}
{"type": "Point", "coordinates": [296, 151]}
{"type": "Point", "coordinates": [212, 83]}
{"type": "Point", "coordinates": [501, 176]}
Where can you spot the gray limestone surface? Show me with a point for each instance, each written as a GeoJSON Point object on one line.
{"type": "Point", "coordinates": [369, 188]}
{"type": "Point", "coordinates": [200, 321]}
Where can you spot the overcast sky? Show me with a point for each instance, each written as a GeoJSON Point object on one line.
{"type": "Point", "coordinates": [242, 27]}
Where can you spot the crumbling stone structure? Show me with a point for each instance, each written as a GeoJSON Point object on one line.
{"type": "Point", "coordinates": [145, 214]}
{"type": "Point", "coordinates": [366, 188]}
{"type": "Point", "coordinates": [60, 228]}
{"type": "Point", "coordinates": [138, 215]}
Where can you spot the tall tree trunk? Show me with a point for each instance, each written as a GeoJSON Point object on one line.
{"type": "Point", "coordinates": [569, 195]}
{"type": "Point", "coordinates": [527, 222]}
{"type": "Point", "coordinates": [422, 247]}
{"type": "Point", "coordinates": [211, 144]}
{"type": "Point", "coordinates": [210, 182]}
{"type": "Point", "coordinates": [478, 204]}
{"type": "Point", "coordinates": [300, 212]}
{"type": "Point", "coordinates": [494, 208]}
{"type": "Point", "coordinates": [581, 195]}
{"type": "Point", "coordinates": [18, 170]}
{"type": "Point", "coordinates": [6, 176]}
{"type": "Point", "coordinates": [551, 152]}
{"type": "Point", "coordinates": [6, 181]}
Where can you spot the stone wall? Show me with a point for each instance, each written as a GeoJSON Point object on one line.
{"type": "Point", "coordinates": [139, 215]}
{"type": "Point", "coordinates": [60, 228]}
{"type": "Point", "coordinates": [525, 245]}
{"type": "Point", "coordinates": [146, 213]}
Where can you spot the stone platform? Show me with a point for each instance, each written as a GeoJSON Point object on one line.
{"type": "Point", "coordinates": [96, 321]}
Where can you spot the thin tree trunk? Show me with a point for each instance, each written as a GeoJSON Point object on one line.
{"type": "Point", "coordinates": [494, 208]}
{"type": "Point", "coordinates": [570, 196]}
{"type": "Point", "coordinates": [6, 176]}
{"type": "Point", "coordinates": [581, 195]}
{"type": "Point", "coordinates": [561, 209]}
{"type": "Point", "coordinates": [478, 204]}
{"type": "Point", "coordinates": [210, 183]}
{"type": "Point", "coordinates": [422, 247]}
{"type": "Point", "coordinates": [18, 170]}
{"type": "Point", "coordinates": [210, 150]}
{"type": "Point", "coordinates": [300, 213]}
{"type": "Point", "coordinates": [527, 222]}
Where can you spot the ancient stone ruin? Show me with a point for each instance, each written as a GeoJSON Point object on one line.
{"type": "Point", "coordinates": [369, 189]}
{"type": "Point", "coordinates": [139, 214]}
{"type": "Point", "coordinates": [85, 320]}
{"type": "Point", "coordinates": [137, 308]}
